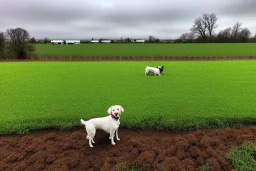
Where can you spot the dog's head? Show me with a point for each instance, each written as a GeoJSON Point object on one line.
{"type": "Point", "coordinates": [116, 110]}
{"type": "Point", "coordinates": [161, 68]}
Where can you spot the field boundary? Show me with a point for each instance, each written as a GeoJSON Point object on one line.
{"type": "Point", "coordinates": [133, 58]}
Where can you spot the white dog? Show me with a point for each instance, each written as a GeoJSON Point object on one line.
{"type": "Point", "coordinates": [108, 124]}
{"type": "Point", "coordinates": [156, 70]}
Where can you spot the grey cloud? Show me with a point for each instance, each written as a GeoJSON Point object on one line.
{"type": "Point", "coordinates": [120, 18]}
{"type": "Point", "coordinates": [239, 8]}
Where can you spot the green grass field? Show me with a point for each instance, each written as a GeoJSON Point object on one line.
{"type": "Point", "coordinates": [243, 157]}
{"type": "Point", "coordinates": [201, 50]}
{"type": "Point", "coordinates": [36, 95]}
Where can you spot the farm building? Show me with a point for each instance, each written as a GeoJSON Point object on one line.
{"type": "Point", "coordinates": [140, 41]}
{"type": "Point", "coordinates": [106, 41]}
{"type": "Point", "coordinates": [95, 41]}
{"type": "Point", "coordinates": [72, 41]}
{"type": "Point", "coordinates": [57, 42]}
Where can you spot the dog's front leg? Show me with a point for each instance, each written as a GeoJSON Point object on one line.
{"type": "Point", "coordinates": [112, 133]}
{"type": "Point", "coordinates": [90, 142]}
{"type": "Point", "coordinates": [117, 135]}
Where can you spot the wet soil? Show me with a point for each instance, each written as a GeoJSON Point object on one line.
{"type": "Point", "coordinates": [149, 149]}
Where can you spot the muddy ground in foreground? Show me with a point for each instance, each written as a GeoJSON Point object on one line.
{"type": "Point", "coordinates": [150, 150]}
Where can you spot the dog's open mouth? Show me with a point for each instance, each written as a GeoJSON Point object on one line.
{"type": "Point", "coordinates": [115, 114]}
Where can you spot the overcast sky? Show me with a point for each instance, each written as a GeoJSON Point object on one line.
{"type": "Point", "coordinates": [86, 19]}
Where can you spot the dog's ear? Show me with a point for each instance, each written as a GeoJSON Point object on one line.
{"type": "Point", "coordinates": [110, 110]}
{"type": "Point", "coordinates": [121, 108]}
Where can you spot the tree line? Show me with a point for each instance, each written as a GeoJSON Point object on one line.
{"type": "Point", "coordinates": [15, 44]}
{"type": "Point", "coordinates": [203, 31]}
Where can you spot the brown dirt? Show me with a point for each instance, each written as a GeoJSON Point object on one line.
{"type": "Point", "coordinates": [149, 149]}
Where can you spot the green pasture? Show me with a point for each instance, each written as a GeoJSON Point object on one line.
{"type": "Point", "coordinates": [243, 157]}
{"type": "Point", "coordinates": [36, 95]}
{"type": "Point", "coordinates": [170, 50]}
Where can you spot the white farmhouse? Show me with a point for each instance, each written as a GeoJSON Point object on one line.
{"type": "Point", "coordinates": [73, 42]}
{"type": "Point", "coordinates": [57, 42]}
{"type": "Point", "coordinates": [95, 41]}
{"type": "Point", "coordinates": [106, 41]}
{"type": "Point", "coordinates": [140, 41]}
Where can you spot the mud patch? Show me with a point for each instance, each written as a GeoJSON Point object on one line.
{"type": "Point", "coordinates": [149, 149]}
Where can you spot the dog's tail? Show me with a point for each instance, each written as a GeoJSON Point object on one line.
{"type": "Point", "coordinates": [83, 122]}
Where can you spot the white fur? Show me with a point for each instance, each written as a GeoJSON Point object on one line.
{"type": "Point", "coordinates": [107, 124]}
{"type": "Point", "coordinates": [154, 70]}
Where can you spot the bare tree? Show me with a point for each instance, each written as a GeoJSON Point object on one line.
{"type": "Point", "coordinates": [184, 36]}
{"type": "Point", "coordinates": [199, 27]}
{"type": "Point", "coordinates": [187, 36]}
{"type": "Point", "coordinates": [210, 22]}
{"type": "Point", "coordinates": [46, 40]}
{"type": "Point", "coordinates": [2, 45]}
{"type": "Point", "coordinates": [128, 40]}
{"type": "Point", "coordinates": [227, 33]}
{"type": "Point", "coordinates": [18, 43]}
{"type": "Point", "coordinates": [205, 25]}
{"type": "Point", "coordinates": [235, 30]}
{"type": "Point", "coordinates": [244, 35]}
{"type": "Point", "coordinates": [224, 35]}
{"type": "Point", "coordinates": [32, 40]}
{"type": "Point", "coordinates": [151, 38]}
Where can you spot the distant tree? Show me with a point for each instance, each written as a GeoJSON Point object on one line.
{"type": "Point", "coordinates": [18, 44]}
{"type": "Point", "coordinates": [2, 45]}
{"type": "Point", "coordinates": [235, 31]}
{"type": "Point", "coordinates": [224, 35]}
{"type": "Point", "coordinates": [32, 40]}
{"type": "Point", "coordinates": [128, 40]}
{"type": "Point", "coordinates": [184, 36]}
{"type": "Point", "coordinates": [187, 37]}
{"type": "Point", "coordinates": [153, 39]}
{"type": "Point", "coordinates": [199, 27]}
{"type": "Point", "coordinates": [244, 35]}
{"type": "Point", "coordinates": [209, 21]}
{"type": "Point", "coordinates": [204, 26]}
{"type": "Point", "coordinates": [46, 40]}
